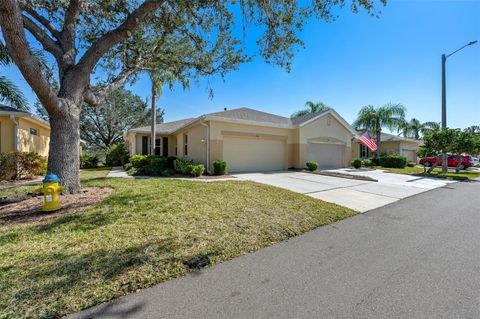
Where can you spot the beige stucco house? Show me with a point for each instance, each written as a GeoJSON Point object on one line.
{"type": "Point", "coordinates": [389, 144]}
{"type": "Point", "coordinates": [251, 140]}
{"type": "Point", "coordinates": [22, 132]}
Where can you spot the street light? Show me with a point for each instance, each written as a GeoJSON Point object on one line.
{"type": "Point", "coordinates": [444, 98]}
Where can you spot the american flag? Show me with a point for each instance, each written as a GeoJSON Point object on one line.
{"type": "Point", "coordinates": [368, 141]}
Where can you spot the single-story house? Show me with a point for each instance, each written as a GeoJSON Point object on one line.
{"type": "Point", "coordinates": [21, 131]}
{"type": "Point", "coordinates": [389, 144]}
{"type": "Point", "coordinates": [251, 140]}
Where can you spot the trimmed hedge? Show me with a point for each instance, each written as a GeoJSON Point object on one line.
{"type": "Point", "coordinates": [367, 163]}
{"type": "Point", "coordinates": [357, 163]}
{"type": "Point", "coordinates": [312, 166]}
{"type": "Point", "coordinates": [393, 161]}
{"type": "Point", "coordinates": [219, 167]}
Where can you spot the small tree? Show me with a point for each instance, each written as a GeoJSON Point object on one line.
{"type": "Point", "coordinates": [452, 141]}
{"type": "Point", "coordinates": [391, 116]}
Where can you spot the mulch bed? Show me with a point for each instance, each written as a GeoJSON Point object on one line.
{"type": "Point", "coordinates": [28, 208]}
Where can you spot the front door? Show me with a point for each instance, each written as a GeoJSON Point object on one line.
{"type": "Point", "coordinates": [165, 146]}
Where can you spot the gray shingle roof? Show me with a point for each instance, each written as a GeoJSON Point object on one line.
{"type": "Point", "coordinates": [164, 128]}
{"type": "Point", "coordinates": [248, 114]}
{"type": "Point", "coordinates": [241, 114]}
{"type": "Point", "coordinates": [6, 108]}
{"type": "Point", "coordinates": [386, 137]}
{"type": "Point", "coordinates": [301, 119]}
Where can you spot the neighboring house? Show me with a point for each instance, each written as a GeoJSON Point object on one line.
{"type": "Point", "coordinates": [22, 132]}
{"type": "Point", "coordinates": [389, 144]}
{"type": "Point", "coordinates": [250, 140]}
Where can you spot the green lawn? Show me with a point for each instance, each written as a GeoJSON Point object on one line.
{"type": "Point", "coordinates": [146, 232]}
{"type": "Point", "coordinates": [437, 173]}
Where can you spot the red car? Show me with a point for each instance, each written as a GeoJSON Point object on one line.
{"type": "Point", "coordinates": [452, 161]}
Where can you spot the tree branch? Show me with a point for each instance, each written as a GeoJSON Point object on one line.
{"type": "Point", "coordinates": [95, 99]}
{"type": "Point", "coordinates": [19, 49]}
{"type": "Point", "coordinates": [70, 25]}
{"type": "Point", "coordinates": [47, 24]}
{"type": "Point", "coordinates": [48, 44]}
{"type": "Point", "coordinates": [122, 32]}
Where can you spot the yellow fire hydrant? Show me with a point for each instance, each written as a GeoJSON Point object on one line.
{"type": "Point", "coordinates": [51, 190]}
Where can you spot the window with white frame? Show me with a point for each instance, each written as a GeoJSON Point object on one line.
{"type": "Point", "coordinates": [363, 151]}
{"type": "Point", "coordinates": [185, 144]}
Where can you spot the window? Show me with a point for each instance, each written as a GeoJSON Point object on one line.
{"type": "Point", "coordinates": [157, 146]}
{"type": "Point", "coordinates": [185, 144]}
{"type": "Point", "coordinates": [144, 145]}
{"type": "Point", "coordinates": [33, 131]}
{"type": "Point", "coordinates": [363, 151]}
{"type": "Point", "coordinates": [165, 146]}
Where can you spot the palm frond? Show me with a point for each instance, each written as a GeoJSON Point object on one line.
{"type": "Point", "coordinates": [10, 93]}
{"type": "Point", "coordinates": [5, 57]}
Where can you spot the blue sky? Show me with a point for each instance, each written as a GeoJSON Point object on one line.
{"type": "Point", "coordinates": [354, 61]}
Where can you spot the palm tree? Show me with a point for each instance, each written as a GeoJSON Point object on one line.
{"type": "Point", "coordinates": [414, 128]}
{"type": "Point", "coordinates": [9, 92]}
{"type": "Point", "coordinates": [311, 107]}
{"type": "Point", "coordinates": [391, 116]}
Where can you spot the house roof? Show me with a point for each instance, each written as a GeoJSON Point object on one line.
{"type": "Point", "coordinates": [386, 137]}
{"type": "Point", "coordinates": [243, 115]}
{"type": "Point", "coordinates": [8, 110]}
{"type": "Point", "coordinates": [164, 128]}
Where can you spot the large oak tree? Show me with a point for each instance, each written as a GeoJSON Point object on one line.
{"type": "Point", "coordinates": [185, 37]}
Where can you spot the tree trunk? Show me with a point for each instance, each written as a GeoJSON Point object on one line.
{"type": "Point", "coordinates": [63, 155]}
{"type": "Point", "coordinates": [154, 116]}
{"type": "Point", "coordinates": [379, 138]}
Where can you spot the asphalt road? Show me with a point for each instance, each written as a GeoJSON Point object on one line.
{"type": "Point", "coordinates": [415, 258]}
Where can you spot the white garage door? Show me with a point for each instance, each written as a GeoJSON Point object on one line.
{"type": "Point", "coordinates": [328, 156]}
{"type": "Point", "coordinates": [253, 154]}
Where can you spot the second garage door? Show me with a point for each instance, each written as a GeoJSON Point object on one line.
{"type": "Point", "coordinates": [328, 156]}
{"type": "Point", "coordinates": [253, 154]}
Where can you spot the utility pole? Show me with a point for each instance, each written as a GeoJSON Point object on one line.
{"type": "Point", "coordinates": [444, 110]}
{"type": "Point", "coordinates": [444, 99]}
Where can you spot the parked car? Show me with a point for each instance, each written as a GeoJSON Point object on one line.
{"type": "Point", "coordinates": [452, 161]}
{"type": "Point", "coordinates": [475, 161]}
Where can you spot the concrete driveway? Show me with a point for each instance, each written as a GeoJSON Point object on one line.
{"type": "Point", "coordinates": [359, 195]}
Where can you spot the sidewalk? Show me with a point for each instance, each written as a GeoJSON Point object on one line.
{"type": "Point", "coordinates": [118, 171]}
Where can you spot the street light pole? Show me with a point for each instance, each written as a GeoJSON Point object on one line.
{"type": "Point", "coordinates": [444, 99]}
{"type": "Point", "coordinates": [444, 110]}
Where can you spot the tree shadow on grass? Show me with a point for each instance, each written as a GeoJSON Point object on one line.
{"type": "Point", "coordinates": [55, 279]}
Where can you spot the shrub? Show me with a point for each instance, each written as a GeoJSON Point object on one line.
{"type": "Point", "coordinates": [138, 161]}
{"type": "Point", "coordinates": [375, 161]}
{"type": "Point", "coordinates": [128, 166]}
{"type": "Point", "coordinates": [411, 164]}
{"type": "Point", "coordinates": [219, 167]}
{"type": "Point", "coordinates": [197, 170]}
{"type": "Point", "coordinates": [357, 163]}
{"type": "Point", "coordinates": [393, 161]}
{"type": "Point", "coordinates": [18, 165]}
{"type": "Point", "coordinates": [167, 172]}
{"type": "Point", "coordinates": [116, 155]}
{"type": "Point", "coordinates": [88, 160]}
{"type": "Point", "coordinates": [158, 161]}
{"type": "Point", "coordinates": [312, 166]}
{"type": "Point", "coordinates": [170, 162]}
{"type": "Point", "coordinates": [136, 171]}
{"type": "Point", "coordinates": [183, 166]}
{"type": "Point", "coordinates": [367, 163]}
{"type": "Point", "coordinates": [153, 170]}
